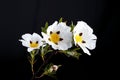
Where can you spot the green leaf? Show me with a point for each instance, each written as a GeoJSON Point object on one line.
{"type": "Point", "coordinates": [63, 51]}
{"type": "Point", "coordinates": [45, 50]}
{"type": "Point", "coordinates": [71, 53]}
{"type": "Point", "coordinates": [34, 61]}
{"type": "Point", "coordinates": [74, 54]}
{"type": "Point", "coordinates": [45, 28]}
{"type": "Point", "coordinates": [47, 68]}
{"type": "Point", "coordinates": [72, 26]}
{"type": "Point", "coordinates": [75, 49]}
{"type": "Point", "coordinates": [46, 25]}
{"type": "Point", "coordinates": [32, 54]}
{"type": "Point", "coordinates": [49, 51]}
{"type": "Point", "coordinates": [60, 20]}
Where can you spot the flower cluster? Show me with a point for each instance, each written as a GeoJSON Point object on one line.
{"type": "Point", "coordinates": [59, 38]}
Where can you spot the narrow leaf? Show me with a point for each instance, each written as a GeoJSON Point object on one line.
{"type": "Point", "coordinates": [72, 26]}
{"type": "Point", "coordinates": [60, 20]}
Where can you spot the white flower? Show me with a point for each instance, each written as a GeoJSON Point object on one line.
{"type": "Point", "coordinates": [59, 36]}
{"type": "Point", "coordinates": [84, 37]}
{"type": "Point", "coordinates": [53, 68]}
{"type": "Point", "coordinates": [33, 41]}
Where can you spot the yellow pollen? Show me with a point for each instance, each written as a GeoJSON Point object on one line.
{"type": "Point", "coordinates": [54, 37]}
{"type": "Point", "coordinates": [78, 39]}
{"type": "Point", "coordinates": [34, 44]}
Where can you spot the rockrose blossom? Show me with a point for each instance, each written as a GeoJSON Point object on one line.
{"type": "Point", "coordinates": [59, 36]}
{"type": "Point", "coordinates": [32, 42]}
{"type": "Point", "coordinates": [84, 37]}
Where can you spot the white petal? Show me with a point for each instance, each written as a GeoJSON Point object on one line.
{"type": "Point", "coordinates": [93, 36]}
{"type": "Point", "coordinates": [67, 38]}
{"type": "Point", "coordinates": [69, 44]}
{"type": "Point", "coordinates": [90, 41]}
{"type": "Point", "coordinates": [85, 50]}
{"type": "Point", "coordinates": [30, 49]}
{"type": "Point", "coordinates": [64, 46]}
{"type": "Point", "coordinates": [45, 37]}
{"type": "Point", "coordinates": [63, 24]}
{"type": "Point", "coordinates": [65, 33]}
{"type": "Point", "coordinates": [63, 27]}
{"type": "Point", "coordinates": [74, 39]}
{"type": "Point", "coordinates": [27, 37]}
{"type": "Point", "coordinates": [55, 47]}
{"type": "Point", "coordinates": [91, 44]}
{"type": "Point", "coordinates": [55, 23]}
{"type": "Point", "coordinates": [36, 35]}
{"type": "Point", "coordinates": [40, 43]}
{"type": "Point", "coordinates": [24, 43]}
{"type": "Point", "coordinates": [82, 27]}
{"type": "Point", "coordinates": [52, 27]}
{"type": "Point", "coordinates": [85, 26]}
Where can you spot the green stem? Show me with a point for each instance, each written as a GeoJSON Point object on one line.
{"type": "Point", "coordinates": [42, 53]}
{"type": "Point", "coordinates": [44, 63]}
{"type": "Point", "coordinates": [40, 76]}
{"type": "Point", "coordinates": [32, 64]}
{"type": "Point", "coordinates": [32, 61]}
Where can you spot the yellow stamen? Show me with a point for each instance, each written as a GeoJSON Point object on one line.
{"type": "Point", "coordinates": [34, 44]}
{"type": "Point", "coordinates": [78, 38]}
{"type": "Point", "coordinates": [54, 37]}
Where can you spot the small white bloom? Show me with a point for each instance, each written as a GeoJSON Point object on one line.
{"type": "Point", "coordinates": [53, 68]}
{"type": "Point", "coordinates": [58, 36]}
{"type": "Point", "coordinates": [33, 41]}
{"type": "Point", "coordinates": [84, 37]}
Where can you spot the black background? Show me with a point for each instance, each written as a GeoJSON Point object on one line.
{"type": "Point", "coordinates": [27, 16]}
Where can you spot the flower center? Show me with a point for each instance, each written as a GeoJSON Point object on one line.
{"type": "Point", "coordinates": [33, 44]}
{"type": "Point", "coordinates": [79, 39]}
{"type": "Point", "coordinates": [55, 38]}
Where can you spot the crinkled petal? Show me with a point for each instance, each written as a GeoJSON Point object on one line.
{"type": "Point", "coordinates": [91, 44]}
{"type": "Point", "coordinates": [64, 46]}
{"type": "Point", "coordinates": [36, 35]}
{"type": "Point", "coordinates": [45, 37]}
{"type": "Point", "coordinates": [93, 36]}
{"type": "Point", "coordinates": [24, 43]}
{"type": "Point", "coordinates": [67, 35]}
{"type": "Point", "coordinates": [83, 26]}
{"type": "Point", "coordinates": [30, 49]}
{"type": "Point", "coordinates": [85, 50]}
{"type": "Point", "coordinates": [63, 25]}
{"type": "Point", "coordinates": [26, 37]}
{"type": "Point", "coordinates": [90, 41]}
{"type": "Point", "coordinates": [55, 47]}
{"type": "Point", "coordinates": [52, 27]}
